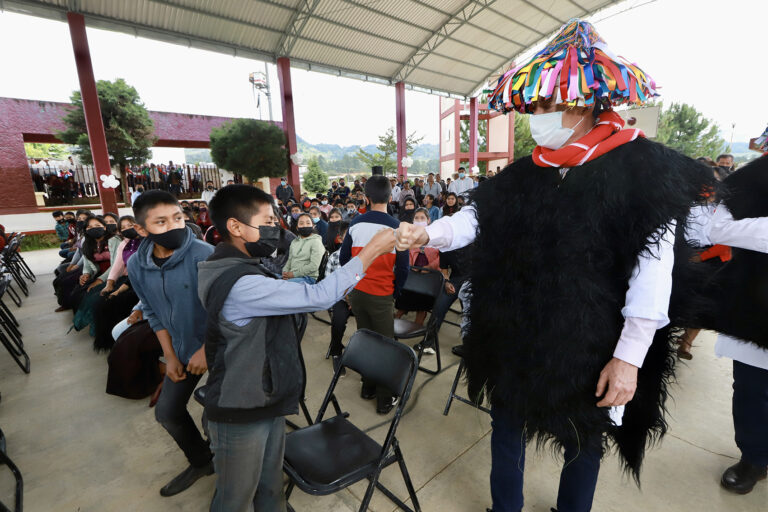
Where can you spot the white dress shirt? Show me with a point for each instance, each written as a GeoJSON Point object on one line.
{"type": "Point", "coordinates": [647, 301]}
{"type": "Point", "coordinates": [461, 185]}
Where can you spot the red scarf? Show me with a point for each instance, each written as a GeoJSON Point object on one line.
{"type": "Point", "coordinates": [607, 134]}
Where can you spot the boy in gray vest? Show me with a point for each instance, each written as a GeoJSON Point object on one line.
{"type": "Point", "coordinates": [252, 346]}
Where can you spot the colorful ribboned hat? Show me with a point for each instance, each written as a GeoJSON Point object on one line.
{"type": "Point", "coordinates": [577, 67]}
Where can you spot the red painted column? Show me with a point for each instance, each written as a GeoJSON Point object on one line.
{"type": "Point", "coordinates": [458, 105]}
{"type": "Point", "coordinates": [402, 148]}
{"type": "Point", "coordinates": [93, 121]}
{"type": "Point", "coordinates": [289, 124]}
{"type": "Point", "coordinates": [472, 133]}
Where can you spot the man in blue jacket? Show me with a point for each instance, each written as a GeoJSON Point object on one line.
{"type": "Point", "coordinates": [163, 272]}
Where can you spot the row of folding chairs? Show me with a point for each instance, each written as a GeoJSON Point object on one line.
{"type": "Point", "coordinates": [14, 277]}
{"type": "Point", "coordinates": [14, 273]}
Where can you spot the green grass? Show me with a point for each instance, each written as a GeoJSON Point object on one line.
{"type": "Point", "coordinates": [41, 241]}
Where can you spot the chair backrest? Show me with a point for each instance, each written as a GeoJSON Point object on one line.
{"type": "Point", "coordinates": [424, 281]}
{"type": "Point", "coordinates": [381, 360]}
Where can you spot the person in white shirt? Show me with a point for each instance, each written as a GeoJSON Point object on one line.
{"type": "Point", "coordinates": [208, 193]}
{"type": "Point", "coordinates": [136, 193]}
{"type": "Point", "coordinates": [738, 292]}
{"type": "Point", "coordinates": [571, 274]}
{"type": "Point", "coordinates": [461, 185]}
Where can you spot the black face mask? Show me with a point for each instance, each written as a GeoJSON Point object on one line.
{"type": "Point", "coordinates": [130, 233]}
{"type": "Point", "coordinates": [95, 232]}
{"type": "Point", "coordinates": [269, 237]}
{"type": "Point", "coordinates": [112, 228]}
{"type": "Point", "coordinates": [332, 223]}
{"type": "Point", "coordinates": [80, 224]}
{"type": "Point", "coordinates": [210, 188]}
{"type": "Point", "coordinates": [195, 209]}
{"type": "Point", "coordinates": [61, 221]}
{"type": "Point", "coordinates": [305, 231]}
{"type": "Point", "coordinates": [171, 239]}
{"type": "Point", "coordinates": [71, 221]}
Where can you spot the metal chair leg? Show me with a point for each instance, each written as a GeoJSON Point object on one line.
{"type": "Point", "coordinates": [453, 388]}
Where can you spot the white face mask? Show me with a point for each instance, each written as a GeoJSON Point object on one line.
{"type": "Point", "coordinates": [548, 131]}
{"type": "Point", "coordinates": [419, 223]}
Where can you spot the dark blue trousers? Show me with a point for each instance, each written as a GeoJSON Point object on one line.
{"type": "Point", "coordinates": [750, 412]}
{"type": "Point", "coordinates": [578, 477]}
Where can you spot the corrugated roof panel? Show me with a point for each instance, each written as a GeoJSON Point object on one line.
{"type": "Point", "coordinates": [453, 47]}
{"type": "Point", "coordinates": [449, 6]}
{"type": "Point", "coordinates": [486, 39]}
{"type": "Point", "coordinates": [412, 12]}
{"type": "Point", "coordinates": [445, 65]}
{"type": "Point", "coordinates": [342, 59]}
{"type": "Point", "coordinates": [342, 36]}
{"type": "Point", "coordinates": [424, 78]}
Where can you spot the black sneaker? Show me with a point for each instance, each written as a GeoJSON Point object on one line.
{"type": "Point", "coordinates": [185, 479]}
{"type": "Point", "coordinates": [337, 364]}
{"type": "Point", "coordinates": [385, 409]}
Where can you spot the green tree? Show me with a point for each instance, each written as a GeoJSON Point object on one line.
{"type": "Point", "coordinates": [315, 180]}
{"type": "Point", "coordinates": [41, 150]}
{"type": "Point", "coordinates": [387, 151]}
{"type": "Point", "coordinates": [524, 143]}
{"type": "Point", "coordinates": [685, 129]}
{"type": "Point", "coordinates": [482, 136]}
{"type": "Point", "coordinates": [256, 149]}
{"type": "Point", "coordinates": [128, 127]}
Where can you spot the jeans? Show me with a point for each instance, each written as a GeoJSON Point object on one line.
{"type": "Point", "coordinates": [171, 412]}
{"type": "Point", "coordinates": [750, 412]}
{"type": "Point", "coordinates": [444, 302]}
{"type": "Point", "coordinates": [303, 279]}
{"type": "Point", "coordinates": [339, 316]}
{"type": "Point", "coordinates": [578, 477]}
{"type": "Point", "coordinates": [248, 458]}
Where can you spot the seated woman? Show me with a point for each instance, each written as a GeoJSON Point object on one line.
{"type": "Point", "coordinates": [427, 257]}
{"type": "Point", "coordinates": [334, 221]}
{"type": "Point", "coordinates": [407, 210]}
{"type": "Point", "coordinates": [68, 277]}
{"type": "Point", "coordinates": [451, 205]}
{"type": "Point", "coordinates": [305, 254]}
{"type": "Point", "coordinates": [117, 298]}
{"type": "Point", "coordinates": [99, 250]}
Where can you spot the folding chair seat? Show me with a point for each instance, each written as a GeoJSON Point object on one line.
{"type": "Point", "coordinates": [333, 454]}
{"type": "Point", "coordinates": [458, 350]}
{"type": "Point", "coordinates": [429, 283]}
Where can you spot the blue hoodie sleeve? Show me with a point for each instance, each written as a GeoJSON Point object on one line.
{"type": "Point", "coordinates": [136, 284]}
{"type": "Point", "coordinates": [402, 267]}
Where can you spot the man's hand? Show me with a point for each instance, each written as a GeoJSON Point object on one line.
{"type": "Point", "coordinates": [174, 369]}
{"type": "Point", "coordinates": [197, 364]}
{"type": "Point", "coordinates": [135, 316]}
{"type": "Point", "coordinates": [288, 275]}
{"type": "Point", "coordinates": [409, 236]}
{"type": "Point", "coordinates": [84, 279]}
{"type": "Point", "coordinates": [94, 284]}
{"type": "Point", "coordinates": [620, 378]}
{"type": "Point", "coordinates": [449, 288]}
{"type": "Point", "coordinates": [108, 288]}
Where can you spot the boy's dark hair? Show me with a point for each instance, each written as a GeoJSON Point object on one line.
{"type": "Point", "coordinates": [125, 217]}
{"type": "Point", "coordinates": [378, 189]}
{"type": "Point", "coordinates": [317, 208]}
{"type": "Point", "coordinates": [724, 155]}
{"type": "Point", "coordinates": [82, 211]}
{"type": "Point", "coordinates": [294, 205]}
{"type": "Point", "coordinates": [57, 213]}
{"type": "Point", "coordinates": [69, 213]}
{"type": "Point", "coordinates": [149, 200]}
{"type": "Point", "coordinates": [239, 202]}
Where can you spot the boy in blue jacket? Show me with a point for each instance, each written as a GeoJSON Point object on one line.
{"type": "Point", "coordinates": [163, 272]}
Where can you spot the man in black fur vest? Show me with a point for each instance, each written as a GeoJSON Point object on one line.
{"type": "Point", "coordinates": [570, 331]}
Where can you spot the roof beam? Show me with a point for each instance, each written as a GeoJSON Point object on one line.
{"type": "Point", "coordinates": [299, 20]}
{"type": "Point", "coordinates": [425, 29]}
{"type": "Point", "coordinates": [542, 11]}
{"type": "Point", "coordinates": [458, 20]}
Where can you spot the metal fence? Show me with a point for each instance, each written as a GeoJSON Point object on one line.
{"type": "Point", "coordinates": [78, 184]}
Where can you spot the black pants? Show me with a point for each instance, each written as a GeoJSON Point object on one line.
{"type": "Point", "coordinates": [171, 412]}
{"type": "Point", "coordinates": [339, 316]}
{"type": "Point", "coordinates": [750, 412]}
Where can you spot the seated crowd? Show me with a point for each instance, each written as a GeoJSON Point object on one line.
{"type": "Point", "coordinates": [141, 283]}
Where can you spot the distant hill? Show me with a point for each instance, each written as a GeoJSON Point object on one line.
{"type": "Point", "coordinates": [327, 151]}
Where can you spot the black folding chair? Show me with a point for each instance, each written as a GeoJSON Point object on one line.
{"type": "Point", "coordinates": [12, 266]}
{"type": "Point", "coordinates": [334, 454]}
{"type": "Point", "coordinates": [458, 350]}
{"type": "Point", "coordinates": [428, 283]}
{"type": "Point", "coordinates": [19, 492]}
{"type": "Point", "coordinates": [19, 260]}
{"type": "Point", "coordinates": [6, 276]}
{"type": "Point", "coordinates": [10, 336]}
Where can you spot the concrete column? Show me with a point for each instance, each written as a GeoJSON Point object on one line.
{"type": "Point", "coordinates": [289, 124]}
{"type": "Point", "coordinates": [96, 136]}
{"type": "Point", "coordinates": [402, 148]}
{"type": "Point", "coordinates": [472, 133]}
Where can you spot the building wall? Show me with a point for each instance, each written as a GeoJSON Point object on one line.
{"type": "Point", "coordinates": [498, 134]}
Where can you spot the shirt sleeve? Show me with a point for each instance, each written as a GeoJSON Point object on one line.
{"type": "Point", "coordinates": [257, 295]}
{"type": "Point", "coordinates": [149, 315]}
{"type": "Point", "coordinates": [454, 232]}
{"type": "Point", "coordinates": [118, 265]}
{"type": "Point", "coordinates": [750, 233]}
{"type": "Point", "coordinates": [646, 304]}
{"type": "Point", "coordinates": [89, 267]}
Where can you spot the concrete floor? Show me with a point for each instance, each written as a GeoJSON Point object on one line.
{"type": "Point", "coordinates": [83, 450]}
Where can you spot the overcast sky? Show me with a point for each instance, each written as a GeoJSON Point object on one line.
{"type": "Point", "coordinates": [709, 53]}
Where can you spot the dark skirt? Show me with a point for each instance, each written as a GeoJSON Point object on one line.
{"type": "Point", "coordinates": [63, 286]}
{"type": "Point", "coordinates": [133, 363]}
{"type": "Point", "coordinates": [108, 312]}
